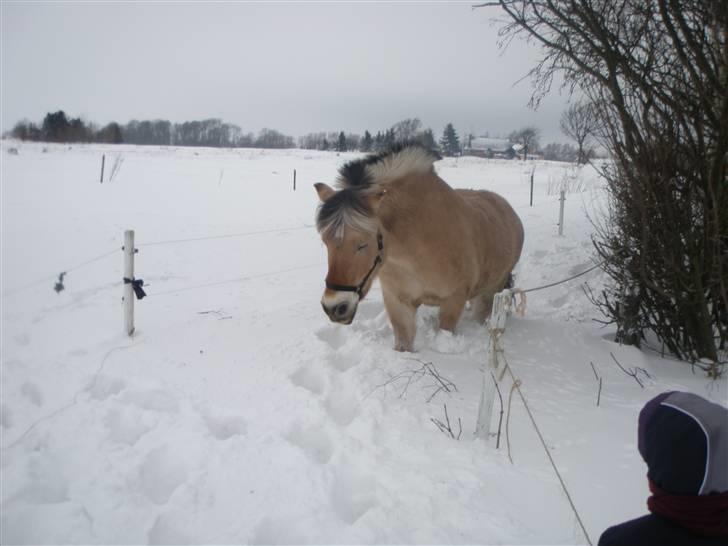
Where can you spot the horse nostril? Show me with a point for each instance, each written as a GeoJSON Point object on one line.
{"type": "Point", "coordinates": [341, 309]}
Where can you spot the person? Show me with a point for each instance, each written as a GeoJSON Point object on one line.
{"type": "Point", "coordinates": [683, 438]}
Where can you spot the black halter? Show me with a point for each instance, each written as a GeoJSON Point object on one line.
{"type": "Point", "coordinates": [358, 289]}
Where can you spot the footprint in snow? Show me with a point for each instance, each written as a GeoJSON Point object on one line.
{"type": "Point", "coordinates": [168, 529]}
{"type": "Point", "coordinates": [126, 425]}
{"type": "Point", "coordinates": [352, 493]}
{"type": "Point", "coordinates": [342, 405]}
{"type": "Point", "coordinates": [313, 441]}
{"type": "Point", "coordinates": [152, 399]}
{"type": "Point", "coordinates": [161, 474]}
{"type": "Point", "coordinates": [45, 481]}
{"type": "Point", "coordinates": [342, 361]}
{"type": "Point", "coordinates": [310, 378]}
{"type": "Point", "coordinates": [223, 427]}
{"type": "Point", "coordinates": [334, 336]}
{"type": "Point", "coordinates": [104, 387]}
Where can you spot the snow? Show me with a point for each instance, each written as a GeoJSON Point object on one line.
{"type": "Point", "coordinates": [238, 414]}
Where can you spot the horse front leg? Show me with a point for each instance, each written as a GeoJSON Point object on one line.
{"type": "Point", "coordinates": [450, 311]}
{"type": "Point", "coordinates": [402, 316]}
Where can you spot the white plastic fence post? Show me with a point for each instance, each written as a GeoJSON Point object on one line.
{"type": "Point", "coordinates": [501, 303]}
{"type": "Point", "coordinates": [562, 198]}
{"type": "Point", "coordinates": [129, 274]}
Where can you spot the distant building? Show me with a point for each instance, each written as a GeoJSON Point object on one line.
{"type": "Point", "coordinates": [492, 148]}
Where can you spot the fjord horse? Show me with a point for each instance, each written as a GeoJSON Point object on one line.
{"type": "Point", "coordinates": [395, 218]}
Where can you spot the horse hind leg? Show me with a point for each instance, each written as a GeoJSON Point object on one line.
{"type": "Point", "coordinates": [482, 304]}
{"type": "Point", "coordinates": [450, 311]}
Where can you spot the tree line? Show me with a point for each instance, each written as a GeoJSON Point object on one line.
{"type": "Point", "coordinates": [58, 127]}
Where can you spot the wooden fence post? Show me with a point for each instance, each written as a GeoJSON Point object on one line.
{"type": "Point", "coordinates": [496, 328]}
{"type": "Point", "coordinates": [294, 179]}
{"type": "Point", "coordinates": [562, 198]}
{"type": "Point", "coordinates": [532, 173]}
{"type": "Point", "coordinates": [128, 288]}
{"type": "Point", "coordinates": [103, 161]}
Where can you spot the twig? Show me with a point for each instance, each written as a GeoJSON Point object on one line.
{"type": "Point", "coordinates": [217, 313]}
{"type": "Point", "coordinates": [599, 394]}
{"type": "Point", "coordinates": [500, 418]}
{"type": "Point", "coordinates": [427, 369]}
{"type": "Point", "coordinates": [446, 428]}
{"type": "Point", "coordinates": [632, 373]}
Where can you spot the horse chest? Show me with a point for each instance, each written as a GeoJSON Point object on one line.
{"type": "Point", "coordinates": [415, 282]}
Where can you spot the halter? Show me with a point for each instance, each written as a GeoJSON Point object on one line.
{"type": "Point", "coordinates": [358, 289]}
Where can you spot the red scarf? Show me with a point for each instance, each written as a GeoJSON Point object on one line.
{"type": "Point", "coordinates": [703, 514]}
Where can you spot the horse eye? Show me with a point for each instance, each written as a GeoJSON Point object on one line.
{"type": "Point", "coordinates": [362, 247]}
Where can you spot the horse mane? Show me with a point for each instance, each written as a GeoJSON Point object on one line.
{"type": "Point", "coordinates": [363, 177]}
{"type": "Point", "coordinates": [375, 169]}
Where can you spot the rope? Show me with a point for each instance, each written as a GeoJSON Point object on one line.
{"type": "Point", "coordinates": [238, 279]}
{"type": "Point", "coordinates": [562, 281]}
{"type": "Point", "coordinates": [56, 276]}
{"type": "Point", "coordinates": [517, 385]}
{"type": "Point", "coordinates": [226, 236]}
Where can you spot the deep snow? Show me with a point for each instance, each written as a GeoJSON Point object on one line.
{"type": "Point", "coordinates": [238, 414]}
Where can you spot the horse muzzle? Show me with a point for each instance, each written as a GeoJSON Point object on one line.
{"type": "Point", "coordinates": [340, 307]}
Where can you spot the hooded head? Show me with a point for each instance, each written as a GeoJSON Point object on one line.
{"type": "Point", "coordinates": [683, 438]}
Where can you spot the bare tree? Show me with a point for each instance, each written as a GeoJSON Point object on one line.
{"type": "Point", "coordinates": [407, 129]}
{"type": "Point", "coordinates": [578, 123]}
{"type": "Point", "coordinates": [528, 137]}
{"type": "Point", "coordinates": [656, 74]}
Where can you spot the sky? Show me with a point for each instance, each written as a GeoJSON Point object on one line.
{"type": "Point", "coordinates": [297, 67]}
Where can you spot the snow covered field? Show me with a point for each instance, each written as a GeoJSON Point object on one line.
{"type": "Point", "coordinates": [238, 414]}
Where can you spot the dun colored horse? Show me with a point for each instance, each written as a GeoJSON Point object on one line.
{"type": "Point", "coordinates": [395, 218]}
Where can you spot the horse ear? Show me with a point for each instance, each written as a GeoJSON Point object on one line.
{"type": "Point", "coordinates": [324, 191]}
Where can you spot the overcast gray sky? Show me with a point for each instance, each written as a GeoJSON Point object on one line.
{"type": "Point", "coordinates": [297, 67]}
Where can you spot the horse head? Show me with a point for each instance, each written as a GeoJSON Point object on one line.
{"type": "Point", "coordinates": [348, 226]}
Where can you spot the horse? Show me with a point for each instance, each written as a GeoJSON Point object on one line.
{"type": "Point", "coordinates": [394, 218]}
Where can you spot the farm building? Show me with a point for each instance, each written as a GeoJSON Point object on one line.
{"type": "Point", "coordinates": [492, 147]}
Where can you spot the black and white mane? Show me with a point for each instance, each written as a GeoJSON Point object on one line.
{"type": "Point", "coordinates": [364, 177]}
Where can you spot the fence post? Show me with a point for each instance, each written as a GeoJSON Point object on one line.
{"type": "Point", "coordinates": [103, 161]}
{"type": "Point", "coordinates": [128, 289]}
{"type": "Point", "coordinates": [294, 179]}
{"type": "Point", "coordinates": [562, 198]}
{"type": "Point", "coordinates": [532, 172]}
{"type": "Point", "coordinates": [496, 328]}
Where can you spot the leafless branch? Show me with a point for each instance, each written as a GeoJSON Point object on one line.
{"type": "Point", "coordinates": [427, 370]}
{"type": "Point", "coordinates": [631, 373]}
{"type": "Point", "coordinates": [446, 428]}
{"type": "Point", "coordinates": [599, 379]}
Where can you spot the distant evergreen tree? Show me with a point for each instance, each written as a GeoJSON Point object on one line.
{"type": "Point", "coordinates": [378, 141]}
{"type": "Point", "coordinates": [325, 144]}
{"type": "Point", "coordinates": [389, 138]}
{"type": "Point", "coordinates": [450, 142]}
{"type": "Point", "coordinates": [55, 126]}
{"type": "Point", "coordinates": [342, 142]}
{"type": "Point", "coordinates": [367, 142]}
